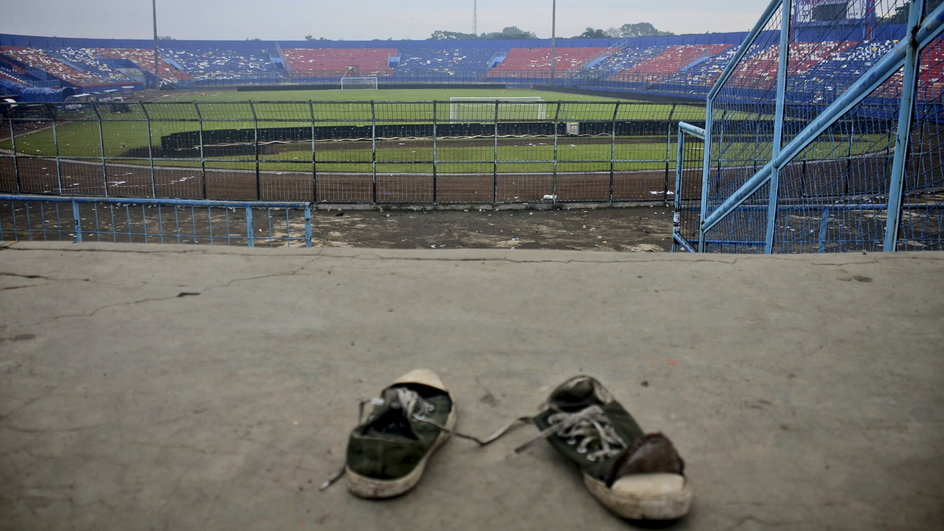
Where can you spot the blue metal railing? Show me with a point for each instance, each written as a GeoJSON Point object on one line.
{"type": "Point", "coordinates": [102, 219]}
{"type": "Point", "coordinates": [761, 188]}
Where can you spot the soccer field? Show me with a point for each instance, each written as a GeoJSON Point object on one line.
{"type": "Point", "coordinates": [132, 132]}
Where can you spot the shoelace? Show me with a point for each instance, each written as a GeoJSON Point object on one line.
{"type": "Point", "coordinates": [416, 408]}
{"type": "Point", "coordinates": [583, 428]}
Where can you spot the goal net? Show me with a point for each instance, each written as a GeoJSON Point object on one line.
{"type": "Point", "coordinates": [358, 82]}
{"type": "Point", "coordinates": [510, 108]}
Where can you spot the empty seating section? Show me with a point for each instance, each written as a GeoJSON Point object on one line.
{"type": "Point", "coordinates": [222, 63]}
{"type": "Point", "coordinates": [302, 62]}
{"type": "Point", "coordinates": [931, 78]}
{"type": "Point", "coordinates": [622, 59]}
{"type": "Point", "coordinates": [438, 61]}
{"type": "Point", "coordinates": [144, 60]}
{"type": "Point", "coordinates": [536, 62]}
{"type": "Point", "coordinates": [703, 73]}
{"type": "Point", "coordinates": [11, 75]}
{"type": "Point", "coordinates": [10, 80]}
{"type": "Point", "coordinates": [672, 60]}
{"type": "Point", "coordinates": [39, 60]}
{"type": "Point", "coordinates": [760, 70]}
{"type": "Point", "coordinates": [85, 59]}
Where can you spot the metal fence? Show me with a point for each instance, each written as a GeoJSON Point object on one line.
{"type": "Point", "coordinates": [851, 146]}
{"type": "Point", "coordinates": [113, 220]}
{"type": "Point", "coordinates": [366, 152]}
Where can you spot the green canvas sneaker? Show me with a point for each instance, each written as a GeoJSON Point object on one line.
{"type": "Point", "coordinates": [388, 451]}
{"type": "Point", "coordinates": [635, 475]}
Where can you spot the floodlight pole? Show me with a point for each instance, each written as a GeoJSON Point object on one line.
{"type": "Point", "coordinates": [475, 17]}
{"type": "Point", "coordinates": [157, 77]}
{"type": "Point", "coordinates": [553, 39]}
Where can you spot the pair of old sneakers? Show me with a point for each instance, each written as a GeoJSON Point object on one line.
{"type": "Point", "coordinates": [635, 475]}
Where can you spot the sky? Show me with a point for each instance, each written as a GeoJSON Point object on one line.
{"type": "Point", "coordinates": [361, 19]}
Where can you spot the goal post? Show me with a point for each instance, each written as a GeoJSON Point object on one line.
{"type": "Point", "coordinates": [482, 109]}
{"type": "Point", "coordinates": [359, 82]}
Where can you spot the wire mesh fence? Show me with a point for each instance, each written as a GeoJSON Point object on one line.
{"type": "Point", "coordinates": [825, 135]}
{"type": "Point", "coordinates": [114, 220]}
{"type": "Point", "coordinates": [484, 150]}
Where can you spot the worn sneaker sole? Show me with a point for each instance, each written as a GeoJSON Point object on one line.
{"type": "Point", "coordinates": [644, 496]}
{"type": "Point", "coordinates": [372, 488]}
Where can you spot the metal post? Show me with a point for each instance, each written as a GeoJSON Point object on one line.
{"type": "Point", "coordinates": [435, 155]}
{"type": "Point", "coordinates": [553, 40]}
{"type": "Point", "coordinates": [250, 232]}
{"type": "Point", "coordinates": [147, 119]}
{"type": "Point", "coordinates": [203, 173]}
{"type": "Point", "coordinates": [774, 190]}
{"type": "Point", "coordinates": [705, 173]}
{"type": "Point", "coordinates": [373, 152]}
{"type": "Point", "coordinates": [157, 72]}
{"type": "Point", "coordinates": [495, 160]}
{"type": "Point", "coordinates": [308, 225]}
{"type": "Point", "coordinates": [679, 150]}
{"type": "Point", "coordinates": [76, 222]}
{"type": "Point", "coordinates": [255, 141]}
{"type": "Point", "coordinates": [903, 133]}
{"type": "Point", "coordinates": [668, 154]}
{"type": "Point", "coordinates": [613, 152]}
{"type": "Point", "coordinates": [555, 156]}
{"type": "Point", "coordinates": [101, 142]}
{"type": "Point", "coordinates": [314, 158]}
{"type": "Point", "coordinates": [16, 164]}
{"type": "Point", "coordinates": [55, 142]}
{"type": "Point", "coordinates": [823, 231]}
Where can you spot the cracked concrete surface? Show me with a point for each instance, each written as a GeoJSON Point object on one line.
{"type": "Point", "coordinates": [213, 388]}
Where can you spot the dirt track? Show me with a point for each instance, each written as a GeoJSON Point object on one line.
{"type": "Point", "coordinates": [603, 229]}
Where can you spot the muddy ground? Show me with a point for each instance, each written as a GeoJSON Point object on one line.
{"type": "Point", "coordinates": [646, 229]}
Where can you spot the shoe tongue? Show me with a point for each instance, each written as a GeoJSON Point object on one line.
{"type": "Point", "coordinates": [649, 454]}
{"type": "Point", "coordinates": [391, 419]}
{"type": "Point", "coordinates": [577, 396]}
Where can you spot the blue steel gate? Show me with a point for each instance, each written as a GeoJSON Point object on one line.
{"type": "Point", "coordinates": [847, 119]}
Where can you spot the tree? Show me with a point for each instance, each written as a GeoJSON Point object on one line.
{"type": "Point", "coordinates": [510, 32]}
{"type": "Point", "coordinates": [641, 29]}
{"type": "Point", "coordinates": [440, 35]}
{"type": "Point", "coordinates": [592, 33]}
{"type": "Point", "coordinates": [165, 38]}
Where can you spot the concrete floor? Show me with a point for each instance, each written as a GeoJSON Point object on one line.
{"type": "Point", "coordinates": [192, 387]}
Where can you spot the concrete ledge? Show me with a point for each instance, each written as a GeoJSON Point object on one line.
{"type": "Point", "coordinates": [209, 387]}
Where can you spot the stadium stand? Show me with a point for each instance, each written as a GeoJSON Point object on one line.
{"type": "Point", "coordinates": [931, 78]}
{"type": "Point", "coordinates": [433, 60]}
{"type": "Point", "coordinates": [222, 63]}
{"type": "Point", "coordinates": [623, 59]}
{"type": "Point", "coordinates": [40, 61]}
{"type": "Point", "coordinates": [144, 60]}
{"type": "Point", "coordinates": [303, 62]}
{"type": "Point", "coordinates": [682, 65]}
{"type": "Point", "coordinates": [760, 70]}
{"type": "Point", "coordinates": [536, 62]}
{"type": "Point", "coordinates": [673, 59]}
{"type": "Point", "coordinates": [85, 60]}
